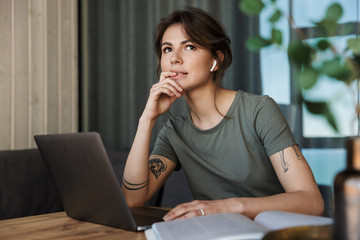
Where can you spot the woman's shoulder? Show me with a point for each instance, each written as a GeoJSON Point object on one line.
{"type": "Point", "coordinates": [253, 100]}
{"type": "Point", "coordinates": [176, 121]}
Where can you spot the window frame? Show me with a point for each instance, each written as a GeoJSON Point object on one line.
{"type": "Point", "coordinates": [313, 142]}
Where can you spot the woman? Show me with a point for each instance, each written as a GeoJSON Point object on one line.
{"type": "Point", "coordinates": [236, 148]}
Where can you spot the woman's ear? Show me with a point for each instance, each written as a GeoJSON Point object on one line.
{"type": "Point", "coordinates": [220, 57]}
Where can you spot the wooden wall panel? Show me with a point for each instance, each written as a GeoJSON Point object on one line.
{"type": "Point", "coordinates": [36, 60]}
{"type": "Point", "coordinates": [5, 74]}
{"type": "Point", "coordinates": [20, 65]}
{"type": "Point", "coordinates": [53, 66]}
{"type": "Point", "coordinates": [38, 70]}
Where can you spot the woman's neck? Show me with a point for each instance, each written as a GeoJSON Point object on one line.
{"type": "Point", "coordinates": [202, 106]}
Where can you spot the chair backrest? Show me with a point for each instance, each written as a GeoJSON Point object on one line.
{"type": "Point", "coordinates": [289, 112]}
{"type": "Point", "coordinates": [328, 197]}
{"type": "Point", "coordinates": [27, 189]}
{"type": "Point", "coordinates": [25, 186]}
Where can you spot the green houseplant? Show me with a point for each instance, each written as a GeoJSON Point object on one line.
{"type": "Point", "coordinates": [312, 61]}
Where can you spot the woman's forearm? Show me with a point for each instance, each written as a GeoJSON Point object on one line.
{"type": "Point", "coordinates": [301, 201]}
{"type": "Point", "coordinates": [136, 173]}
{"type": "Point", "coordinates": [297, 201]}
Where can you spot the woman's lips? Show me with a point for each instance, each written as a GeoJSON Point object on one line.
{"type": "Point", "coordinates": [179, 75]}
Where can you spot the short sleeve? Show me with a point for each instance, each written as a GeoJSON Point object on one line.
{"type": "Point", "coordinates": [163, 145]}
{"type": "Point", "coordinates": [272, 127]}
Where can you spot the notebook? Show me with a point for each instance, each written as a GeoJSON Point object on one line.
{"type": "Point", "coordinates": [86, 182]}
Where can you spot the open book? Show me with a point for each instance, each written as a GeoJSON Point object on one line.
{"type": "Point", "coordinates": [231, 226]}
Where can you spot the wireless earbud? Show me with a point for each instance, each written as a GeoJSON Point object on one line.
{"type": "Point", "coordinates": [213, 66]}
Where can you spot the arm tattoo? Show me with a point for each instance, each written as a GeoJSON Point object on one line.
{"type": "Point", "coordinates": [135, 186]}
{"type": "Point", "coordinates": [157, 166]}
{"type": "Point", "coordinates": [297, 153]}
{"type": "Point", "coordinates": [284, 164]}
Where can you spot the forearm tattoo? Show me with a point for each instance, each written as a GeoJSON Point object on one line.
{"type": "Point", "coordinates": [284, 164]}
{"type": "Point", "coordinates": [157, 166]}
{"type": "Point", "coordinates": [134, 186]}
{"type": "Point", "coordinates": [297, 153]}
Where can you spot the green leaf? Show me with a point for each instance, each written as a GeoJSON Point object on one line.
{"type": "Point", "coordinates": [357, 60]}
{"type": "Point", "coordinates": [336, 69]}
{"type": "Point", "coordinates": [251, 7]}
{"type": "Point", "coordinates": [315, 107]}
{"type": "Point", "coordinates": [334, 12]}
{"type": "Point", "coordinates": [276, 36]}
{"type": "Point", "coordinates": [299, 53]}
{"type": "Point", "coordinates": [353, 65]}
{"type": "Point", "coordinates": [331, 119]}
{"type": "Point", "coordinates": [328, 25]}
{"type": "Point", "coordinates": [308, 77]}
{"type": "Point", "coordinates": [354, 45]}
{"type": "Point", "coordinates": [323, 44]}
{"type": "Point", "coordinates": [256, 43]}
{"type": "Point", "coordinates": [322, 108]}
{"type": "Point", "coordinates": [275, 17]}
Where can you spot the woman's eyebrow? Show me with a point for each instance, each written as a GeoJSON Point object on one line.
{"type": "Point", "coordinates": [182, 43]}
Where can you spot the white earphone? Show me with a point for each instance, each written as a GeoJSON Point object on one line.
{"type": "Point", "coordinates": [213, 66]}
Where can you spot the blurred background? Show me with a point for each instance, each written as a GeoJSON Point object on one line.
{"type": "Point", "coordinates": [88, 65]}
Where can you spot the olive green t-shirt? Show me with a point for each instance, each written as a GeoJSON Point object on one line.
{"type": "Point", "coordinates": [230, 159]}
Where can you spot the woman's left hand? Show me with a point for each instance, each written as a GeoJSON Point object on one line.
{"type": "Point", "coordinates": [199, 208]}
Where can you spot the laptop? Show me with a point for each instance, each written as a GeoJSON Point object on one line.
{"type": "Point", "coordinates": [86, 182]}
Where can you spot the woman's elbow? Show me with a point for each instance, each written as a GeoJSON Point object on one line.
{"type": "Point", "coordinates": [317, 206]}
{"type": "Point", "coordinates": [134, 201]}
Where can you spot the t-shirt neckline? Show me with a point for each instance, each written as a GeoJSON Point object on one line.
{"type": "Point", "coordinates": [229, 114]}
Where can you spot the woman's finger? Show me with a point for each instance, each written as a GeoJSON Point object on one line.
{"type": "Point", "coordinates": [167, 88]}
{"type": "Point", "coordinates": [184, 210]}
{"type": "Point", "coordinates": [166, 76]}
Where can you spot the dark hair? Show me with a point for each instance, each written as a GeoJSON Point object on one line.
{"type": "Point", "coordinates": [204, 30]}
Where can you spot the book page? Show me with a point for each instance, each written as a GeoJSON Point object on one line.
{"type": "Point", "coordinates": [276, 220]}
{"type": "Point", "coordinates": [217, 226]}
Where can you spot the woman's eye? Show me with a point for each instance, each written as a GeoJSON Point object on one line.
{"type": "Point", "coordinates": [166, 50]}
{"type": "Point", "coordinates": [190, 47]}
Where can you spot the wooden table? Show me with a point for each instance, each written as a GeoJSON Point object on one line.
{"type": "Point", "coordinates": [59, 226]}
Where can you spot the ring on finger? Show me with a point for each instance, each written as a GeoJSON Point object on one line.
{"type": "Point", "coordinates": [202, 211]}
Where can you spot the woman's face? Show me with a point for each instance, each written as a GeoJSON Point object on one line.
{"type": "Point", "coordinates": [191, 61]}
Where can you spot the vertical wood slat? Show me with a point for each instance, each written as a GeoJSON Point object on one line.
{"type": "Point", "coordinates": [74, 67]}
{"type": "Point", "coordinates": [12, 79]}
{"type": "Point", "coordinates": [37, 68]}
{"type": "Point", "coordinates": [53, 68]}
{"type": "Point", "coordinates": [29, 106]}
{"type": "Point", "coordinates": [44, 75]}
{"type": "Point", "coordinates": [20, 60]}
{"type": "Point", "coordinates": [5, 72]}
{"type": "Point", "coordinates": [38, 83]}
{"type": "Point", "coordinates": [59, 76]}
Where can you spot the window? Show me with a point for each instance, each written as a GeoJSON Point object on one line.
{"type": "Point", "coordinates": [342, 101]}
{"type": "Point", "coordinates": [276, 71]}
{"type": "Point", "coordinates": [275, 68]}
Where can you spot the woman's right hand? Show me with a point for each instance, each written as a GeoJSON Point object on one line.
{"type": "Point", "coordinates": [162, 95]}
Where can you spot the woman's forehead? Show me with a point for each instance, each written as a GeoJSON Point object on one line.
{"type": "Point", "coordinates": [175, 32]}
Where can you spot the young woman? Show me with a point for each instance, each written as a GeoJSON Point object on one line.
{"type": "Point", "coordinates": [236, 148]}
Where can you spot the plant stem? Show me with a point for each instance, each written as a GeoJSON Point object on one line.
{"type": "Point", "coordinates": [357, 106]}
{"type": "Point", "coordinates": [300, 33]}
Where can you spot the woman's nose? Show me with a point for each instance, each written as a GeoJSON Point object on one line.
{"type": "Point", "coordinates": [176, 57]}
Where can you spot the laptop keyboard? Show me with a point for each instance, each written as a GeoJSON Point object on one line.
{"type": "Point", "coordinates": [142, 220]}
{"type": "Point", "coordinates": [145, 216]}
